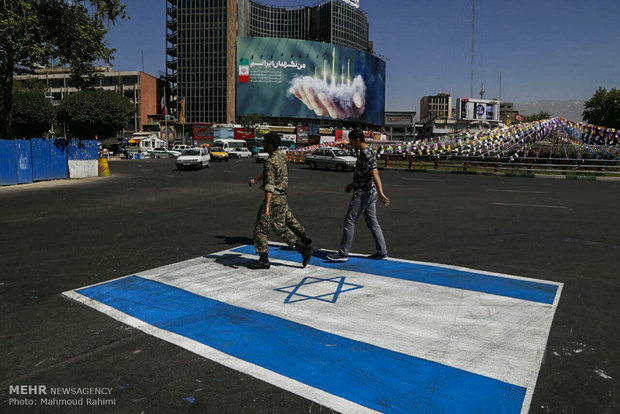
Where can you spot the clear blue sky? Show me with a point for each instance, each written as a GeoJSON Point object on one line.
{"type": "Point", "coordinates": [545, 49]}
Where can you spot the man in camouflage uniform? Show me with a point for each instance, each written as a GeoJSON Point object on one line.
{"type": "Point", "coordinates": [274, 211]}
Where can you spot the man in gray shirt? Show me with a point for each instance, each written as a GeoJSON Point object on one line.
{"type": "Point", "coordinates": [367, 188]}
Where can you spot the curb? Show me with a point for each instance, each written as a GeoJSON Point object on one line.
{"type": "Point", "coordinates": [497, 174]}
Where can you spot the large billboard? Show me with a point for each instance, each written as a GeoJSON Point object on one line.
{"type": "Point", "coordinates": [305, 79]}
{"type": "Point", "coordinates": [477, 109]}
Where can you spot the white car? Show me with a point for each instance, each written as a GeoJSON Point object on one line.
{"type": "Point", "coordinates": [261, 155]}
{"type": "Point", "coordinates": [181, 147]}
{"type": "Point", "coordinates": [331, 158]}
{"type": "Point", "coordinates": [194, 158]}
{"type": "Point", "coordinates": [240, 153]}
{"type": "Point", "coordinates": [163, 153]}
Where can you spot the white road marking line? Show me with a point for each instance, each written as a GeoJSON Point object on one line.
{"type": "Point", "coordinates": [517, 191]}
{"type": "Point", "coordinates": [333, 192]}
{"type": "Point", "coordinates": [527, 205]}
{"type": "Point", "coordinates": [423, 179]}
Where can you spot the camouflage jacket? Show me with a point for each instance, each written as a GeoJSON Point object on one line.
{"type": "Point", "coordinates": [275, 174]}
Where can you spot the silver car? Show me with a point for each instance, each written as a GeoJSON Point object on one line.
{"type": "Point", "coordinates": [335, 158]}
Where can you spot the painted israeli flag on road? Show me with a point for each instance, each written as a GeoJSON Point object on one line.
{"type": "Point", "coordinates": [390, 336]}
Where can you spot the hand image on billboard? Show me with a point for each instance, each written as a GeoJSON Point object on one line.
{"type": "Point", "coordinates": [335, 101]}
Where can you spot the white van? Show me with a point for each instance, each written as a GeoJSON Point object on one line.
{"type": "Point", "coordinates": [229, 144]}
{"type": "Point", "coordinates": [181, 147]}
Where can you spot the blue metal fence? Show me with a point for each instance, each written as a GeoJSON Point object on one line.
{"type": "Point", "coordinates": [41, 161]}
{"type": "Point", "coordinates": [58, 158]}
{"type": "Point", "coordinates": [8, 163]}
{"type": "Point", "coordinates": [82, 150]}
{"type": "Point", "coordinates": [49, 159]}
{"type": "Point", "coordinates": [23, 161]}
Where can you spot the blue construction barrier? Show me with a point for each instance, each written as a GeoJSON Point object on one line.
{"type": "Point", "coordinates": [8, 162]}
{"type": "Point", "coordinates": [41, 159]}
{"type": "Point", "coordinates": [81, 150]}
{"type": "Point", "coordinates": [58, 158]}
{"type": "Point", "coordinates": [24, 161]}
{"type": "Point", "coordinates": [49, 159]}
{"type": "Point", "coordinates": [82, 160]}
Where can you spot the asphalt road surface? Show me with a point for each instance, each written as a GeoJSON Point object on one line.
{"type": "Point", "coordinates": [59, 236]}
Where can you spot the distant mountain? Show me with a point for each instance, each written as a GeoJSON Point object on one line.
{"type": "Point", "coordinates": [571, 110]}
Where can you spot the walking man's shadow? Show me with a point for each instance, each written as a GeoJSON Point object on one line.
{"type": "Point", "coordinates": [236, 261]}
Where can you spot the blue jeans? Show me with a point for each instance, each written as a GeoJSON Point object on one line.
{"type": "Point", "coordinates": [362, 203]}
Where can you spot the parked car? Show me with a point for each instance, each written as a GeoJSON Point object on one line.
{"type": "Point", "coordinates": [194, 158]}
{"type": "Point", "coordinates": [240, 153]}
{"type": "Point", "coordinates": [163, 153]}
{"type": "Point", "coordinates": [330, 157]}
{"type": "Point", "coordinates": [218, 154]}
{"type": "Point", "coordinates": [181, 147]}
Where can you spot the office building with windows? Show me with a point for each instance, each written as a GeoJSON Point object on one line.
{"type": "Point", "coordinates": [143, 90]}
{"type": "Point", "coordinates": [201, 35]}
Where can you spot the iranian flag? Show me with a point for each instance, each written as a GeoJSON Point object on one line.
{"type": "Point", "coordinates": [244, 70]}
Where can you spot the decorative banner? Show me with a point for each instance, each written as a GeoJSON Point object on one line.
{"type": "Point", "coordinates": [305, 79]}
{"type": "Point", "coordinates": [548, 139]}
{"type": "Point", "coordinates": [182, 114]}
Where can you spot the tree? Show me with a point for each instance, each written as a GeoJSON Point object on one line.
{"type": "Point", "coordinates": [32, 33]}
{"type": "Point", "coordinates": [603, 108]}
{"type": "Point", "coordinates": [95, 112]}
{"type": "Point", "coordinates": [538, 117]}
{"type": "Point", "coordinates": [248, 121]}
{"type": "Point", "coordinates": [33, 113]}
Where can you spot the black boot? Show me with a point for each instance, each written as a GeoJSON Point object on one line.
{"type": "Point", "coordinates": [306, 240]}
{"type": "Point", "coordinates": [261, 263]}
{"type": "Point", "coordinates": [306, 253]}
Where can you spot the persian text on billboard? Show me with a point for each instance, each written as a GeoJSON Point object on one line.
{"type": "Point", "coordinates": [305, 79]}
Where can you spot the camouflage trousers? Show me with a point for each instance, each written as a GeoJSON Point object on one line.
{"type": "Point", "coordinates": [281, 220]}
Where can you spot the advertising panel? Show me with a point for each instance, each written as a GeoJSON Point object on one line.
{"type": "Point", "coordinates": [302, 134]}
{"type": "Point", "coordinates": [242, 133]}
{"type": "Point", "coordinates": [354, 3]}
{"type": "Point", "coordinates": [399, 118]}
{"type": "Point", "coordinates": [305, 79]}
{"type": "Point", "coordinates": [478, 109]}
{"type": "Point", "coordinates": [203, 131]}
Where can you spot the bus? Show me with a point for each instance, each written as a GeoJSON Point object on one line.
{"type": "Point", "coordinates": [229, 144]}
{"type": "Point", "coordinates": [254, 144]}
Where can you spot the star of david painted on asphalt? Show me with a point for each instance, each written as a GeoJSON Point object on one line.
{"type": "Point", "coordinates": [294, 294]}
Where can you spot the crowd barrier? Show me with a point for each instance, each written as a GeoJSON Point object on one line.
{"type": "Point", "coordinates": [38, 159]}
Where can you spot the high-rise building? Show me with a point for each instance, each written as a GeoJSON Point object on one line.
{"type": "Point", "coordinates": [202, 40]}
{"type": "Point", "coordinates": [436, 107]}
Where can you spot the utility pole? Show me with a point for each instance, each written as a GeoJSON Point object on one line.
{"type": "Point", "coordinates": [500, 86]}
{"type": "Point", "coordinates": [473, 36]}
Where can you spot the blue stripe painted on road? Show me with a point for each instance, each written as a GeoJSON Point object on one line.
{"type": "Point", "coordinates": [434, 275]}
{"type": "Point", "coordinates": [367, 375]}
